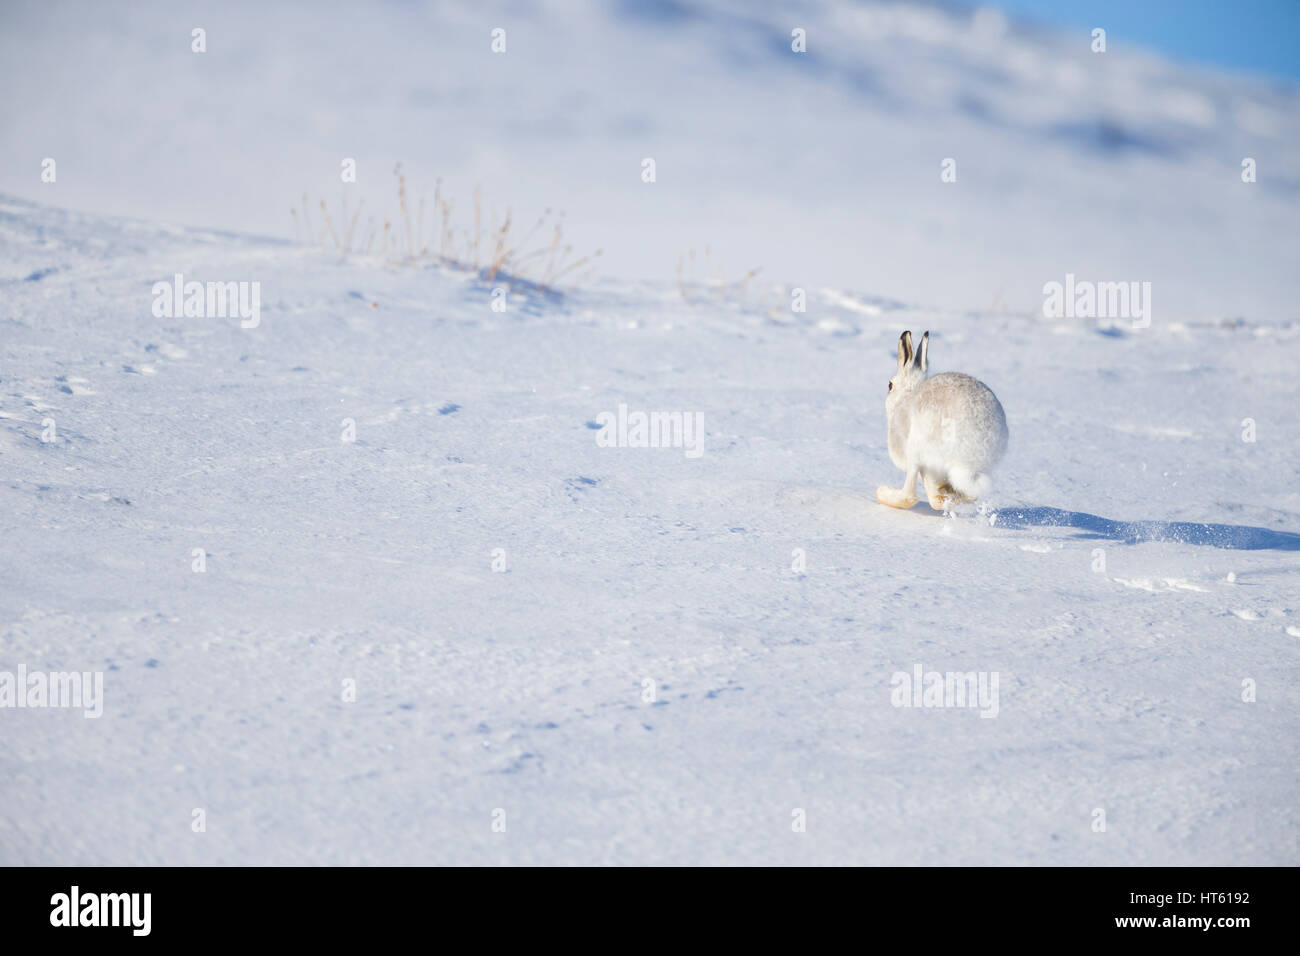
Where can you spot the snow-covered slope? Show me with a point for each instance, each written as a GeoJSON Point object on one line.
{"type": "Point", "coordinates": [677, 652]}
{"type": "Point", "coordinates": [523, 690]}
{"type": "Point", "coordinates": [822, 168]}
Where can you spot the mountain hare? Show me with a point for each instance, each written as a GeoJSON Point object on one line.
{"type": "Point", "coordinates": [949, 430]}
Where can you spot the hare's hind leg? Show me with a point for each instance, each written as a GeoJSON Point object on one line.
{"type": "Point", "coordinates": [940, 496]}
{"type": "Point", "coordinates": [954, 497]}
{"type": "Point", "coordinates": [903, 497]}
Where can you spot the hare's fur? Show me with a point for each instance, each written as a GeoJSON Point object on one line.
{"type": "Point", "coordinates": [948, 430]}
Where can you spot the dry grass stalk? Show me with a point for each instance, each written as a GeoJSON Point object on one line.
{"type": "Point", "coordinates": [508, 256]}
{"type": "Point", "coordinates": [324, 211]}
{"type": "Point", "coordinates": [687, 280]}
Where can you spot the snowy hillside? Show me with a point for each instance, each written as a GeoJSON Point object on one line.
{"type": "Point", "coordinates": [364, 585]}
{"type": "Point", "coordinates": [821, 168]}
{"type": "Point", "coordinates": [372, 561]}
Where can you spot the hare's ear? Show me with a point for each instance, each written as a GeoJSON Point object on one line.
{"type": "Point", "coordinates": [904, 349]}
{"type": "Point", "coordinates": [923, 353]}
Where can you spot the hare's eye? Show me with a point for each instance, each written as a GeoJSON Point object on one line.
{"type": "Point", "coordinates": [891, 386]}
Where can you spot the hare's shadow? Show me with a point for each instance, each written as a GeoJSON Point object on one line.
{"type": "Point", "coordinates": [1233, 536]}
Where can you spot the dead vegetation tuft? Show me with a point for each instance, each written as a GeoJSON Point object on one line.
{"type": "Point", "coordinates": [538, 259]}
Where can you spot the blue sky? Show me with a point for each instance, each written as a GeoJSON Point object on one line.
{"type": "Point", "coordinates": [1261, 36]}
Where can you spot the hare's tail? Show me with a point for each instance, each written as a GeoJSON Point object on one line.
{"type": "Point", "coordinates": [968, 483]}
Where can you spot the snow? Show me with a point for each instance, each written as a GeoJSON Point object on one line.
{"type": "Point", "coordinates": [1137, 561]}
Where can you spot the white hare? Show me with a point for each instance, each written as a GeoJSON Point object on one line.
{"type": "Point", "coordinates": [948, 430]}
